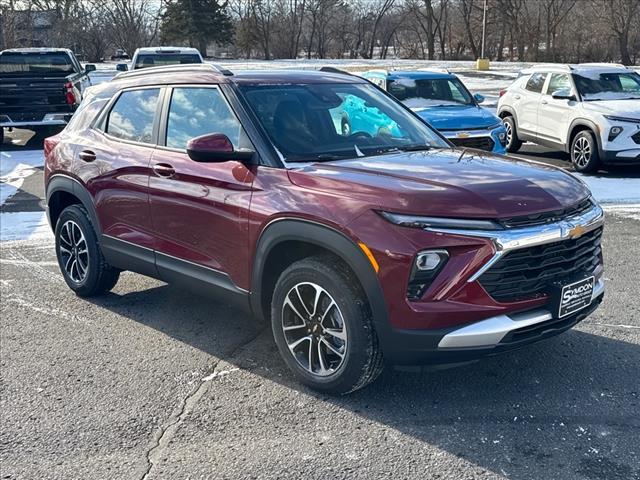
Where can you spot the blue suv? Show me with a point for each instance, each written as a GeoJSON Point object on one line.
{"type": "Point", "coordinates": [441, 99]}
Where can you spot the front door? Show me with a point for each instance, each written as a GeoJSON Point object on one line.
{"type": "Point", "coordinates": [554, 113]}
{"type": "Point", "coordinates": [200, 211]}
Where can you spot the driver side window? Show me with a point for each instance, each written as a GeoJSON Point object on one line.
{"type": "Point", "coordinates": [197, 111]}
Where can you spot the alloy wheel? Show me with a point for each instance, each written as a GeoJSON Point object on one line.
{"type": "Point", "coordinates": [582, 152]}
{"type": "Point", "coordinates": [509, 132]}
{"type": "Point", "coordinates": [314, 329]}
{"type": "Point", "coordinates": [74, 253]}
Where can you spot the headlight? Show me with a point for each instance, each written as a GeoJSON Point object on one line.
{"type": "Point", "coordinates": [622, 119]}
{"type": "Point", "coordinates": [414, 221]}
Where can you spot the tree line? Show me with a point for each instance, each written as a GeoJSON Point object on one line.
{"type": "Point", "coordinates": [516, 30]}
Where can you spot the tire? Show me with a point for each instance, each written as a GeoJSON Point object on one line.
{"type": "Point", "coordinates": [77, 245]}
{"type": "Point", "coordinates": [513, 142]}
{"type": "Point", "coordinates": [584, 152]}
{"type": "Point", "coordinates": [351, 355]}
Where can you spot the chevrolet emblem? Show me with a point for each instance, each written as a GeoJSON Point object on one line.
{"type": "Point", "coordinates": [577, 231]}
{"type": "Point", "coordinates": [463, 135]}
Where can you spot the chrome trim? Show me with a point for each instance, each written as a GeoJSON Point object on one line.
{"type": "Point", "coordinates": [490, 332]}
{"type": "Point", "coordinates": [516, 238]}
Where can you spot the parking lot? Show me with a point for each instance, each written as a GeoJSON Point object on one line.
{"type": "Point", "coordinates": [152, 381]}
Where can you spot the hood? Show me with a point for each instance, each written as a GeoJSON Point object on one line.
{"type": "Point", "coordinates": [621, 108]}
{"type": "Point", "coordinates": [458, 117]}
{"type": "Point", "coordinates": [447, 182]}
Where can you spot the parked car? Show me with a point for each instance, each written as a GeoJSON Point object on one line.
{"type": "Point", "coordinates": [157, 56]}
{"type": "Point", "coordinates": [360, 250]}
{"type": "Point", "coordinates": [591, 111]}
{"type": "Point", "coordinates": [40, 87]}
{"type": "Point", "coordinates": [120, 55]}
{"type": "Point", "coordinates": [442, 100]}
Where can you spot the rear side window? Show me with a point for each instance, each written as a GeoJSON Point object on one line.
{"type": "Point", "coordinates": [199, 111]}
{"type": "Point", "coordinates": [131, 118]}
{"type": "Point", "coordinates": [536, 82]}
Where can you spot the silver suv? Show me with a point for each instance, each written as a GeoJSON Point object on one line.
{"type": "Point", "coordinates": [591, 111]}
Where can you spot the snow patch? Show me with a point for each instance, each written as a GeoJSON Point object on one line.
{"type": "Point", "coordinates": [613, 190]}
{"type": "Point", "coordinates": [24, 226]}
{"type": "Point", "coordinates": [15, 166]}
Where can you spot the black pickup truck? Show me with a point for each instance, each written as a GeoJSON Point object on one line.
{"type": "Point", "coordinates": [40, 88]}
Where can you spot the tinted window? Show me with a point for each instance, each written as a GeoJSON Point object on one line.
{"type": "Point", "coordinates": [132, 116]}
{"type": "Point", "coordinates": [143, 61]}
{"type": "Point", "coordinates": [198, 111]}
{"type": "Point", "coordinates": [558, 81]}
{"type": "Point", "coordinates": [536, 82]}
{"type": "Point", "coordinates": [53, 62]}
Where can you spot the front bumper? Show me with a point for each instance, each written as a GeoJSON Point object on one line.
{"type": "Point", "coordinates": [491, 336]}
{"type": "Point", "coordinates": [490, 139]}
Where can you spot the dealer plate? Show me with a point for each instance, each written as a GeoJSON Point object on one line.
{"type": "Point", "coordinates": [575, 296]}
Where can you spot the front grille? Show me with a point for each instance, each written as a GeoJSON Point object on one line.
{"type": "Point", "coordinates": [636, 137]}
{"type": "Point", "coordinates": [526, 273]}
{"type": "Point", "coordinates": [546, 217]}
{"type": "Point", "coordinates": [482, 143]}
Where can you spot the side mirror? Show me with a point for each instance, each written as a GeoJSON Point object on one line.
{"type": "Point", "coordinates": [89, 67]}
{"type": "Point", "coordinates": [122, 67]}
{"type": "Point", "coordinates": [563, 94]}
{"type": "Point", "coordinates": [216, 147]}
{"type": "Point", "coordinates": [478, 98]}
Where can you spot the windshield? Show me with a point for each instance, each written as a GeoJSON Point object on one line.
{"type": "Point", "coordinates": [22, 62]}
{"type": "Point", "coordinates": [608, 86]}
{"type": "Point", "coordinates": [316, 122]}
{"type": "Point", "coordinates": [155, 60]}
{"type": "Point", "coordinates": [425, 93]}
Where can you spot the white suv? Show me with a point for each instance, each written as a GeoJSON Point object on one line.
{"type": "Point", "coordinates": [591, 111]}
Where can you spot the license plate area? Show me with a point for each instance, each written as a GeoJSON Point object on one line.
{"type": "Point", "coordinates": [572, 297]}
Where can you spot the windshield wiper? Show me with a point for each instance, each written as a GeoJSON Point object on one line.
{"type": "Point", "coordinates": [322, 157]}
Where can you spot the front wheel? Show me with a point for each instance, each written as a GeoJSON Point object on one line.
{"type": "Point", "coordinates": [584, 152]}
{"type": "Point", "coordinates": [322, 325]}
{"type": "Point", "coordinates": [513, 142]}
{"type": "Point", "coordinates": [79, 256]}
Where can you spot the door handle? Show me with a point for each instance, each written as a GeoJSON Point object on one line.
{"type": "Point", "coordinates": [87, 155]}
{"type": "Point", "coordinates": [164, 170]}
{"type": "Point", "coordinates": [544, 102]}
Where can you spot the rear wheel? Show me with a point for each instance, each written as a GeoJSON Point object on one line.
{"type": "Point", "coordinates": [79, 256]}
{"type": "Point", "coordinates": [513, 142]}
{"type": "Point", "coordinates": [345, 127]}
{"type": "Point", "coordinates": [322, 325]}
{"type": "Point", "coordinates": [584, 152]}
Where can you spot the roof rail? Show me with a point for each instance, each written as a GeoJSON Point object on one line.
{"type": "Point", "coordinates": [435, 70]}
{"type": "Point", "coordinates": [559, 66]}
{"type": "Point", "coordinates": [190, 67]}
{"type": "Point", "coordinates": [335, 70]}
{"type": "Point", "coordinates": [602, 64]}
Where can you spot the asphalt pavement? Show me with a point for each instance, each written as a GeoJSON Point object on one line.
{"type": "Point", "coordinates": [151, 381]}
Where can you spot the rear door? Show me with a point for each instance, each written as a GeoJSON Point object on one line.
{"type": "Point", "coordinates": [529, 103]}
{"type": "Point", "coordinates": [199, 210]}
{"type": "Point", "coordinates": [113, 161]}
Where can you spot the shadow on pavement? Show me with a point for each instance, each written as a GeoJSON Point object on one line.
{"type": "Point", "coordinates": [547, 411]}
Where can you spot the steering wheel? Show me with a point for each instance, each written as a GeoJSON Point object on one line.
{"type": "Point", "coordinates": [357, 135]}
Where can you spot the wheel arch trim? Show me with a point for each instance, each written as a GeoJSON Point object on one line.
{"type": "Point", "coordinates": [584, 122]}
{"type": "Point", "coordinates": [316, 233]}
{"type": "Point", "coordinates": [63, 183]}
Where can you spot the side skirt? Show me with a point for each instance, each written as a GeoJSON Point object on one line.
{"type": "Point", "coordinates": [193, 277]}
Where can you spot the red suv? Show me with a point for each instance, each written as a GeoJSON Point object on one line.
{"type": "Point", "coordinates": [361, 249]}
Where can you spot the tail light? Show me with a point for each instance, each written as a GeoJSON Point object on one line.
{"type": "Point", "coordinates": [502, 92]}
{"type": "Point", "coordinates": [70, 96]}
